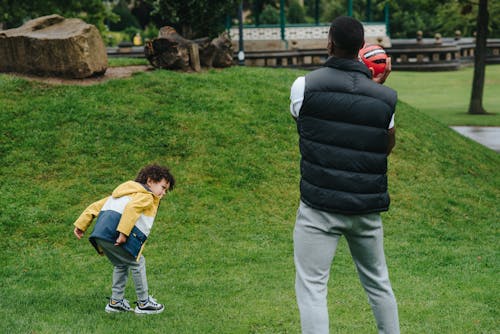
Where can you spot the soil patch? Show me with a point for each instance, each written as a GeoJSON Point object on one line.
{"type": "Point", "coordinates": [111, 73]}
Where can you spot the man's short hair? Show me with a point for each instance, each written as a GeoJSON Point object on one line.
{"type": "Point", "coordinates": [347, 34]}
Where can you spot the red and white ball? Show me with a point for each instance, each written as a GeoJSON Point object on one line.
{"type": "Point", "coordinates": [373, 56]}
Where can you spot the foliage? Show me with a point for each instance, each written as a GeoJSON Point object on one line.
{"type": "Point", "coordinates": [451, 18]}
{"type": "Point", "coordinates": [150, 32]}
{"type": "Point", "coordinates": [14, 13]}
{"type": "Point", "coordinates": [406, 16]}
{"type": "Point", "coordinates": [255, 8]}
{"type": "Point", "coordinates": [195, 18]}
{"type": "Point", "coordinates": [220, 254]}
{"type": "Point", "coordinates": [113, 38]}
{"type": "Point", "coordinates": [295, 13]}
{"type": "Point", "coordinates": [130, 32]}
{"type": "Point", "coordinates": [331, 9]}
{"type": "Point", "coordinates": [126, 20]}
{"type": "Point", "coordinates": [142, 10]}
{"type": "Point", "coordinates": [409, 16]}
{"type": "Point", "coordinates": [202, 18]}
{"type": "Point", "coordinates": [269, 15]}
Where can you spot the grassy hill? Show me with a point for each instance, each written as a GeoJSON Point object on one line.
{"type": "Point", "coordinates": [445, 96]}
{"type": "Point", "coordinates": [220, 256]}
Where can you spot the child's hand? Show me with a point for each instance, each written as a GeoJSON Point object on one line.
{"type": "Point", "coordinates": [79, 233]}
{"type": "Point", "coordinates": [122, 238]}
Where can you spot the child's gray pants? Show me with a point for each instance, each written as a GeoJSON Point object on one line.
{"type": "Point", "coordinates": [315, 237]}
{"type": "Point", "coordinates": [123, 262]}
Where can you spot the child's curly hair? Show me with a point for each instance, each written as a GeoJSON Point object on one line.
{"type": "Point", "coordinates": [156, 173]}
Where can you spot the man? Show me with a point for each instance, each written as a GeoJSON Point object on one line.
{"type": "Point", "coordinates": [345, 120]}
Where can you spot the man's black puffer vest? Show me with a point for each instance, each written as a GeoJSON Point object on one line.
{"type": "Point", "coordinates": [343, 128]}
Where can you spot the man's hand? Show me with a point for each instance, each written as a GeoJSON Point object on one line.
{"type": "Point", "coordinates": [381, 77]}
{"type": "Point", "coordinates": [122, 238]}
{"type": "Point", "coordinates": [79, 233]}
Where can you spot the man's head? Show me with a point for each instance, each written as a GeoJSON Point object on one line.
{"type": "Point", "coordinates": [158, 178]}
{"type": "Point", "coordinates": [346, 37]}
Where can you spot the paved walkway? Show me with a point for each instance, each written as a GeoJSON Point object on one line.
{"type": "Point", "coordinates": [488, 136]}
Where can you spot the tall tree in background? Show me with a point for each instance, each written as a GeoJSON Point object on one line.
{"type": "Point", "coordinates": [195, 18]}
{"type": "Point", "coordinates": [476, 100]}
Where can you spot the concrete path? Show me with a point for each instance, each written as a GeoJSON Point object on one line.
{"type": "Point", "coordinates": [488, 136]}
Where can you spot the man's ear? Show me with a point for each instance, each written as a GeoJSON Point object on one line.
{"type": "Point", "coordinates": [329, 48]}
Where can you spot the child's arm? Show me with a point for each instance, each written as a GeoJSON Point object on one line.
{"type": "Point", "coordinates": [85, 219]}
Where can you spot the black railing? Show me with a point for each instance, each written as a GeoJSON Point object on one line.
{"type": "Point", "coordinates": [422, 55]}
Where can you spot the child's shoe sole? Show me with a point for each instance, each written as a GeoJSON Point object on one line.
{"type": "Point", "coordinates": [139, 311]}
{"type": "Point", "coordinates": [110, 309]}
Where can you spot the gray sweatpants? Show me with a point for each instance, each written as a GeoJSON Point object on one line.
{"type": "Point", "coordinates": [316, 236]}
{"type": "Point", "coordinates": [123, 262]}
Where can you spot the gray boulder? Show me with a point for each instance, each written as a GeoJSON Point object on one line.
{"type": "Point", "coordinates": [53, 46]}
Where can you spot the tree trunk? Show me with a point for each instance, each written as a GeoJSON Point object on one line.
{"type": "Point", "coordinates": [476, 100]}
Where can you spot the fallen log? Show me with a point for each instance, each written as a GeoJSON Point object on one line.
{"type": "Point", "coordinates": [172, 51]}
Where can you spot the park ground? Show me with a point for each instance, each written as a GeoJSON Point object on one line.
{"type": "Point", "coordinates": [220, 256]}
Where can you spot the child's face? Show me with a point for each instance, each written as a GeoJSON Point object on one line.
{"type": "Point", "coordinates": [159, 188]}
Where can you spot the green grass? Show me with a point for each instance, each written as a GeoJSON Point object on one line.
{"type": "Point", "coordinates": [220, 255]}
{"type": "Point", "coordinates": [124, 61]}
{"type": "Point", "coordinates": [445, 96]}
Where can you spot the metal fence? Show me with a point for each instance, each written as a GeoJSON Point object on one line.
{"type": "Point", "coordinates": [422, 55]}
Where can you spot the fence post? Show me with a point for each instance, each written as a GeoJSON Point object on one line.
{"type": "Point", "coordinates": [241, 51]}
{"type": "Point", "coordinates": [282, 19]}
{"type": "Point", "coordinates": [387, 23]}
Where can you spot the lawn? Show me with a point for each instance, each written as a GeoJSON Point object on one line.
{"type": "Point", "coordinates": [220, 256]}
{"type": "Point", "coordinates": [445, 96]}
{"type": "Point", "coordinates": [127, 61]}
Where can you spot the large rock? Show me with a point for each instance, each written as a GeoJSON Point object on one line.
{"type": "Point", "coordinates": [53, 46]}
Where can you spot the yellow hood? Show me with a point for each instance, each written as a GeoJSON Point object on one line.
{"type": "Point", "coordinates": [129, 187]}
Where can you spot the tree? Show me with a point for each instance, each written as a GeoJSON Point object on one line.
{"type": "Point", "coordinates": [142, 11]}
{"type": "Point", "coordinates": [195, 18]}
{"type": "Point", "coordinates": [296, 13]}
{"type": "Point", "coordinates": [269, 15]}
{"type": "Point", "coordinates": [432, 16]}
{"type": "Point", "coordinates": [126, 18]}
{"type": "Point", "coordinates": [476, 100]}
{"type": "Point", "coordinates": [14, 12]}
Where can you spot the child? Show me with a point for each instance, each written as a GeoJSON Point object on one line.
{"type": "Point", "coordinates": [123, 223]}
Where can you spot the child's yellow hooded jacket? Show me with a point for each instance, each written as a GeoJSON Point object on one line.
{"type": "Point", "coordinates": [131, 210]}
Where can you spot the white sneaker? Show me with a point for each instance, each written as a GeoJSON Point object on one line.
{"type": "Point", "coordinates": [148, 306]}
{"type": "Point", "coordinates": [118, 306]}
